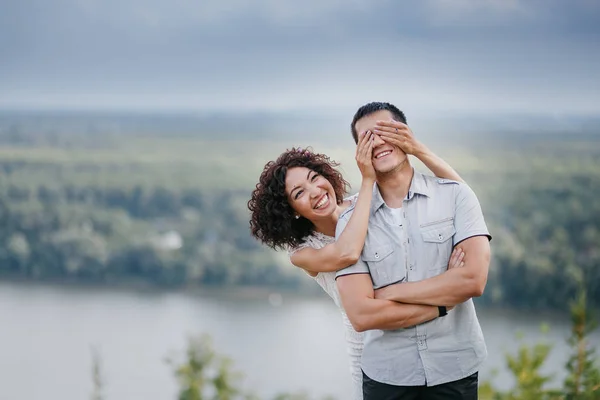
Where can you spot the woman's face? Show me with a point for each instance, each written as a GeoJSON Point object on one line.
{"type": "Point", "coordinates": [309, 194]}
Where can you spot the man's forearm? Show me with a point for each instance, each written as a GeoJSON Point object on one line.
{"type": "Point", "coordinates": [385, 314]}
{"type": "Point", "coordinates": [450, 288]}
{"type": "Point", "coordinates": [366, 312]}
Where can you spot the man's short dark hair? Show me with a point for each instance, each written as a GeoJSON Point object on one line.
{"type": "Point", "coordinates": [373, 107]}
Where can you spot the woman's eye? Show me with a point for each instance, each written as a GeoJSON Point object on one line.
{"type": "Point", "coordinates": [298, 193]}
{"type": "Point", "coordinates": [314, 177]}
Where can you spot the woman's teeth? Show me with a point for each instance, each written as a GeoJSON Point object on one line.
{"type": "Point", "coordinates": [322, 202]}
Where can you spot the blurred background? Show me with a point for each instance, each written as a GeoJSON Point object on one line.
{"type": "Point", "coordinates": [133, 132]}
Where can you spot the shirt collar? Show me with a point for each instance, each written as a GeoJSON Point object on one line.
{"type": "Point", "coordinates": [418, 185]}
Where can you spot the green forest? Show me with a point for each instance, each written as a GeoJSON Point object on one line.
{"type": "Point", "coordinates": [106, 203]}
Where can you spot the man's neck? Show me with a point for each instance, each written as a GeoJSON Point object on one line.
{"type": "Point", "coordinates": [394, 186]}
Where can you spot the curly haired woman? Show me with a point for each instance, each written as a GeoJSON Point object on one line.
{"type": "Point", "coordinates": [298, 200]}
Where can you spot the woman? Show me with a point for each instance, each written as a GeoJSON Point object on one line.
{"type": "Point", "coordinates": [298, 200]}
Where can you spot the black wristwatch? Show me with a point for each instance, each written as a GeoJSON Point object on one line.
{"type": "Point", "coordinates": [442, 310]}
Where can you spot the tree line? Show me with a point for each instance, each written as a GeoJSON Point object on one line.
{"type": "Point", "coordinates": [106, 219]}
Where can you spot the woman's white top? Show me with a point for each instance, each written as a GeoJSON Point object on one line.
{"type": "Point", "coordinates": [354, 340]}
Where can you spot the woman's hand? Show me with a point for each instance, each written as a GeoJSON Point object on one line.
{"type": "Point", "coordinates": [399, 135]}
{"type": "Point", "coordinates": [364, 155]}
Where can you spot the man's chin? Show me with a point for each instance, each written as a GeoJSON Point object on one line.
{"type": "Point", "coordinates": [384, 172]}
{"type": "Point", "coordinates": [386, 169]}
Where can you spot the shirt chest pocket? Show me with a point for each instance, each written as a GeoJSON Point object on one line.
{"type": "Point", "coordinates": [386, 265]}
{"type": "Point", "coordinates": [437, 245]}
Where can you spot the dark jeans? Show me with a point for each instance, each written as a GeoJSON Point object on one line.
{"type": "Point", "coordinates": [463, 389]}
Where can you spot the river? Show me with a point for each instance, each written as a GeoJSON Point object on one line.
{"type": "Point", "coordinates": [282, 343]}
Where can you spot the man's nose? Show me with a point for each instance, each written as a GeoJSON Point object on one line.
{"type": "Point", "coordinates": [378, 141]}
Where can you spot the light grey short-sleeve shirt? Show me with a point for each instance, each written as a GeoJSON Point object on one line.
{"type": "Point", "coordinates": [411, 244]}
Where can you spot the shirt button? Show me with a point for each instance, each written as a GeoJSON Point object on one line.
{"type": "Point", "coordinates": [376, 255]}
{"type": "Point", "coordinates": [441, 236]}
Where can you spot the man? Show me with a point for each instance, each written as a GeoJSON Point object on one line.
{"type": "Point", "coordinates": [415, 222]}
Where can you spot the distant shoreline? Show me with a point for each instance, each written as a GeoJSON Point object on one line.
{"type": "Point", "coordinates": [242, 293]}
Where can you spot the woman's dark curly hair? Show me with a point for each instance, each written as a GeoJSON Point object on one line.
{"type": "Point", "coordinates": [272, 221]}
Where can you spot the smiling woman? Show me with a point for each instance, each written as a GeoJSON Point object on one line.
{"type": "Point", "coordinates": [282, 187]}
{"type": "Point", "coordinates": [296, 205]}
{"type": "Point", "coordinates": [311, 195]}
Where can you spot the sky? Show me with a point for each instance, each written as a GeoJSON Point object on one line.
{"type": "Point", "coordinates": [443, 56]}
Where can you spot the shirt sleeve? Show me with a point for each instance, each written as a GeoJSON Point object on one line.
{"type": "Point", "coordinates": [468, 220]}
{"type": "Point", "coordinates": [360, 267]}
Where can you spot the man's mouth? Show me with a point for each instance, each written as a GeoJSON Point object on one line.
{"type": "Point", "coordinates": [322, 202]}
{"type": "Point", "coordinates": [382, 154]}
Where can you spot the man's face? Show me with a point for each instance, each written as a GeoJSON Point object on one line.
{"type": "Point", "coordinates": [386, 157]}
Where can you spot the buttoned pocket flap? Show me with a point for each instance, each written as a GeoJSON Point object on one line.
{"type": "Point", "coordinates": [438, 235]}
{"type": "Point", "coordinates": [377, 253]}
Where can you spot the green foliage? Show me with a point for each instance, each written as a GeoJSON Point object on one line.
{"type": "Point", "coordinates": [525, 366]}
{"type": "Point", "coordinates": [530, 382]}
{"type": "Point", "coordinates": [204, 374]}
{"type": "Point", "coordinates": [582, 381]}
{"type": "Point", "coordinates": [550, 237]}
{"type": "Point", "coordinates": [137, 235]}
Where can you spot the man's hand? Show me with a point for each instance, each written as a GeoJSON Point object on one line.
{"type": "Point", "coordinates": [463, 280]}
{"type": "Point", "coordinates": [456, 259]}
{"type": "Point", "coordinates": [385, 292]}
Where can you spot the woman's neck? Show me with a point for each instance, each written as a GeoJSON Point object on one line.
{"type": "Point", "coordinates": [327, 225]}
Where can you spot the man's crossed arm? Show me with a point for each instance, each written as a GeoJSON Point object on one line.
{"type": "Point", "coordinates": [407, 304]}
{"type": "Point", "coordinates": [402, 305]}
{"type": "Point", "coordinates": [366, 312]}
{"type": "Point", "coordinates": [454, 286]}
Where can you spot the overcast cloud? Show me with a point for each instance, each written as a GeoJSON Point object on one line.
{"type": "Point", "coordinates": [443, 55]}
